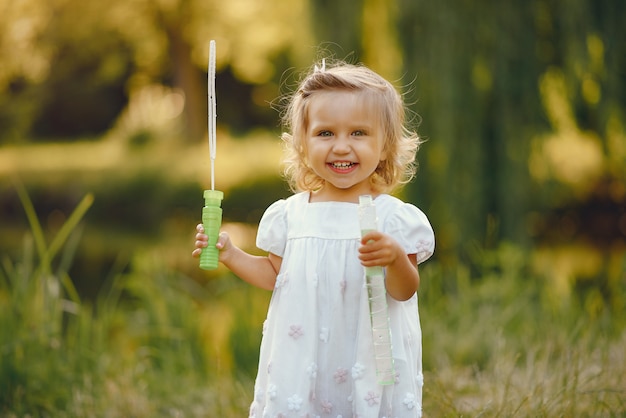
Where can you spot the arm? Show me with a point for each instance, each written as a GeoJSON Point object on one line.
{"type": "Point", "coordinates": [402, 276]}
{"type": "Point", "coordinates": [260, 271]}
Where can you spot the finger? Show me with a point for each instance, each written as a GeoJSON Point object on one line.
{"type": "Point", "coordinates": [369, 247]}
{"type": "Point", "coordinates": [368, 258]}
{"type": "Point", "coordinates": [370, 262]}
{"type": "Point", "coordinates": [222, 239]}
{"type": "Point", "coordinates": [201, 244]}
{"type": "Point", "coordinates": [371, 236]}
{"type": "Point", "coordinates": [196, 253]}
{"type": "Point", "coordinates": [200, 228]}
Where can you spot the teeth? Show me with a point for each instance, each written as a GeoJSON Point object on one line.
{"type": "Point", "coordinates": [343, 164]}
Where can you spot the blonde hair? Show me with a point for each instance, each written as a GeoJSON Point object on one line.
{"type": "Point", "coordinates": [400, 144]}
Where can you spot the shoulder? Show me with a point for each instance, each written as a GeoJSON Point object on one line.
{"type": "Point", "coordinates": [279, 211]}
{"type": "Point", "coordinates": [289, 203]}
{"type": "Point", "coordinates": [273, 228]}
{"type": "Point", "coordinates": [390, 207]}
{"type": "Point", "coordinates": [408, 224]}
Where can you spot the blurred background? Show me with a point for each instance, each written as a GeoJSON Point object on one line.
{"type": "Point", "coordinates": [523, 172]}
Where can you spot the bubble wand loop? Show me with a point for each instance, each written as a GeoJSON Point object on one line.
{"type": "Point", "coordinates": [377, 295]}
{"type": "Point", "coordinates": [212, 211]}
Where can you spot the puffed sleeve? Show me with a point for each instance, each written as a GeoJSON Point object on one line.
{"type": "Point", "coordinates": [272, 231]}
{"type": "Point", "coordinates": [411, 228]}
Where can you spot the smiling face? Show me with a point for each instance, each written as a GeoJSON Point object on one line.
{"type": "Point", "coordinates": [344, 144]}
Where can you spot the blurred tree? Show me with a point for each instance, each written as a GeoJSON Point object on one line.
{"type": "Point", "coordinates": [482, 94]}
{"type": "Point", "coordinates": [63, 70]}
{"type": "Point", "coordinates": [338, 26]}
{"type": "Point", "coordinates": [83, 59]}
{"type": "Point", "coordinates": [381, 50]}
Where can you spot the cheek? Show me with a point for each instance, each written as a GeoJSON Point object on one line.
{"type": "Point", "coordinates": [314, 147]}
{"type": "Point", "coordinates": [312, 153]}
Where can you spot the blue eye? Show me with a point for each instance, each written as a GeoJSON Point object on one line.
{"type": "Point", "coordinates": [358, 133]}
{"type": "Point", "coordinates": [324, 133]}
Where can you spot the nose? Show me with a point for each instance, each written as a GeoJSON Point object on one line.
{"type": "Point", "coordinates": [341, 145]}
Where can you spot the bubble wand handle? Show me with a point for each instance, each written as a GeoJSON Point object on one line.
{"type": "Point", "coordinates": [212, 211]}
{"type": "Point", "coordinates": [377, 295]}
{"type": "Point", "coordinates": [212, 222]}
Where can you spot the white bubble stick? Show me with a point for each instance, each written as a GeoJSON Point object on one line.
{"type": "Point", "coordinates": [377, 294]}
{"type": "Point", "coordinates": [212, 111]}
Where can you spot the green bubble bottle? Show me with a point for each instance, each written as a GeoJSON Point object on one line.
{"type": "Point", "coordinates": [212, 222]}
{"type": "Point", "coordinates": [377, 295]}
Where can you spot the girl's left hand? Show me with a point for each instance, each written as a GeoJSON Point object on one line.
{"type": "Point", "coordinates": [379, 249]}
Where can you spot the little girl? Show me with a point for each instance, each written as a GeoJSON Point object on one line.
{"type": "Point", "coordinates": [347, 138]}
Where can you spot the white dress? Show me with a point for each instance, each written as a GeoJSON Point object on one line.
{"type": "Point", "coordinates": [316, 357]}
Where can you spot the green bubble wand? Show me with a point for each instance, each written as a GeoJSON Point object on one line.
{"type": "Point", "coordinates": [212, 211]}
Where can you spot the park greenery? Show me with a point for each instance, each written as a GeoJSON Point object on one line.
{"type": "Point", "coordinates": [103, 159]}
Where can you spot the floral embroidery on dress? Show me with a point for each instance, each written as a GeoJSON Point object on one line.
{"type": "Point", "coordinates": [372, 398]}
{"type": "Point", "coordinates": [327, 407]}
{"type": "Point", "coordinates": [358, 370]}
{"type": "Point", "coordinates": [295, 331]}
{"type": "Point", "coordinates": [312, 370]}
{"type": "Point", "coordinates": [341, 375]}
{"type": "Point", "coordinates": [294, 403]}
{"type": "Point", "coordinates": [272, 391]}
{"type": "Point", "coordinates": [419, 379]}
{"type": "Point", "coordinates": [409, 401]}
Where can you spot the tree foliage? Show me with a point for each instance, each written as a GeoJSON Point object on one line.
{"type": "Point", "coordinates": [90, 56]}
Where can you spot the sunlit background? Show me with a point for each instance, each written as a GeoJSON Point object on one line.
{"type": "Point", "coordinates": [103, 114]}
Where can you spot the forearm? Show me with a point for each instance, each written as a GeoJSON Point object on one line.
{"type": "Point", "coordinates": [402, 277]}
{"type": "Point", "coordinates": [259, 271]}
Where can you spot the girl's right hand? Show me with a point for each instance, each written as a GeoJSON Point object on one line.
{"type": "Point", "coordinates": [202, 240]}
{"type": "Point", "coordinates": [260, 271]}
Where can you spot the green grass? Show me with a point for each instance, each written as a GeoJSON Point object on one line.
{"type": "Point", "coordinates": [156, 343]}
{"type": "Point", "coordinates": [497, 348]}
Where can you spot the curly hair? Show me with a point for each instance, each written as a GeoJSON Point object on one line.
{"type": "Point", "coordinates": [400, 143]}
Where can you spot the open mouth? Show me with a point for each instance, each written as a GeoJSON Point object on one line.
{"type": "Point", "coordinates": [342, 165]}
